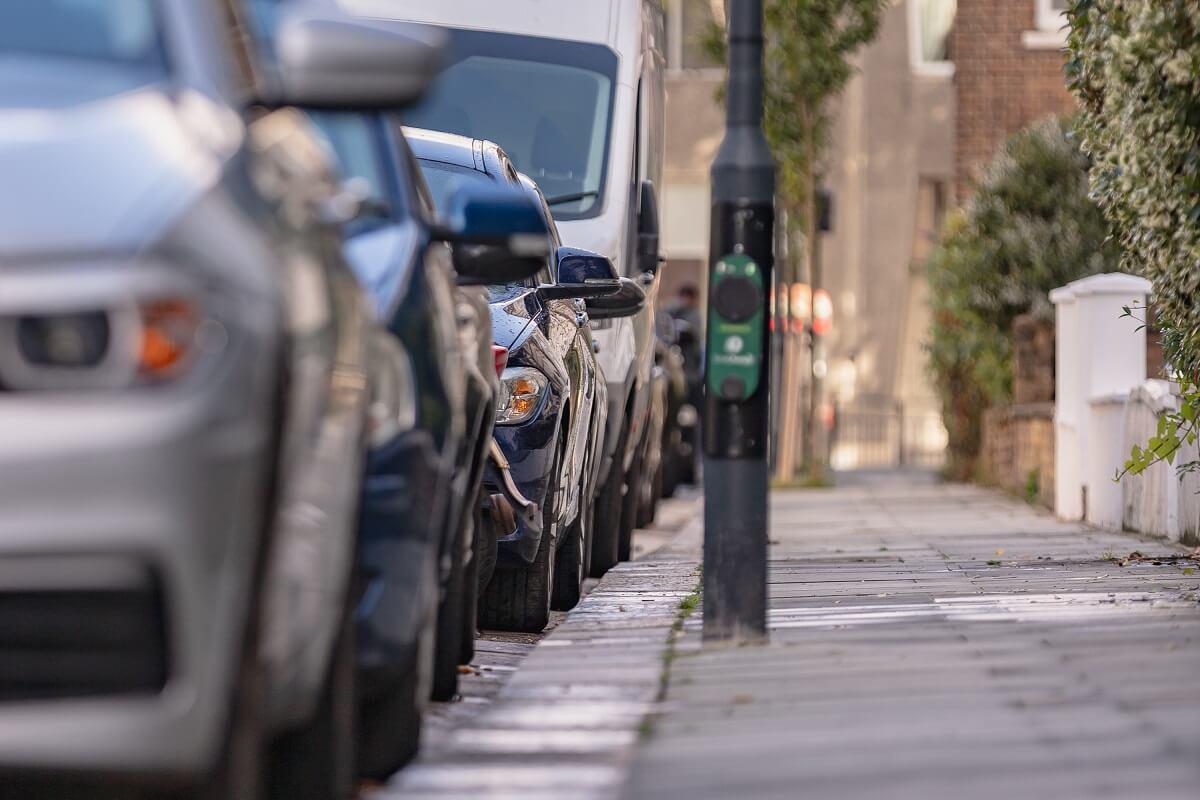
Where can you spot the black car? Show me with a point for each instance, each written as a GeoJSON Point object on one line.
{"type": "Point", "coordinates": [550, 420]}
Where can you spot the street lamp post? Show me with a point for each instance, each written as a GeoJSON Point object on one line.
{"type": "Point", "coordinates": [737, 361]}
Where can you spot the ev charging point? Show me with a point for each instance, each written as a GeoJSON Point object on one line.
{"type": "Point", "coordinates": [735, 328]}
{"type": "Point", "coordinates": [737, 360]}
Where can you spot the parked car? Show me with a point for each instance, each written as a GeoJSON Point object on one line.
{"type": "Point", "coordinates": [575, 94]}
{"type": "Point", "coordinates": [679, 432]}
{"type": "Point", "coordinates": [424, 476]}
{"type": "Point", "coordinates": [184, 389]}
{"type": "Point", "coordinates": [550, 418]}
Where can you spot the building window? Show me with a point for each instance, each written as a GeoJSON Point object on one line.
{"type": "Point", "coordinates": [688, 22]}
{"type": "Point", "coordinates": [1051, 14]}
{"type": "Point", "coordinates": [929, 25]}
{"type": "Point", "coordinates": [1050, 25]}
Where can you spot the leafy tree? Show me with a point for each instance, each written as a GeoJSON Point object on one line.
{"type": "Point", "coordinates": [806, 63]}
{"type": "Point", "coordinates": [1135, 67]}
{"type": "Point", "coordinates": [1029, 227]}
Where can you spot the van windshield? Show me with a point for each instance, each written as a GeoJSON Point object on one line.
{"type": "Point", "coordinates": [548, 103]}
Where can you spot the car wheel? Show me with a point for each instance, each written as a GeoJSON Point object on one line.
{"type": "Point", "coordinates": [486, 544]}
{"type": "Point", "coordinates": [518, 597]}
{"type": "Point", "coordinates": [606, 516]}
{"type": "Point", "coordinates": [629, 507]}
{"type": "Point", "coordinates": [449, 629]}
{"type": "Point", "coordinates": [389, 732]}
{"type": "Point", "coordinates": [317, 761]}
{"type": "Point", "coordinates": [470, 617]}
{"type": "Point", "coordinates": [569, 569]}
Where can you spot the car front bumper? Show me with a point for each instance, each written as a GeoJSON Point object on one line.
{"type": "Point", "coordinates": [131, 533]}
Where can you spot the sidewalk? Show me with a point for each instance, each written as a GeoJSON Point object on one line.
{"type": "Point", "coordinates": [934, 641]}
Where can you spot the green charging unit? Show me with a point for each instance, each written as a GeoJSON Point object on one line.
{"type": "Point", "coordinates": [735, 330]}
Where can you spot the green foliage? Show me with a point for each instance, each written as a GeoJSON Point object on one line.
{"type": "Point", "coordinates": [1174, 429]}
{"type": "Point", "coordinates": [1135, 68]}
{"type": "Point", "coordinates": [1029, 228]}
{"type": "Point", "coordinates": [806, 61]}
{"type": "Point", "coordinates": [1033, 482]}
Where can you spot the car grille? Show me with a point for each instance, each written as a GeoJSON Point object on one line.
{"type": "Point", "coordinates": [81, 643]}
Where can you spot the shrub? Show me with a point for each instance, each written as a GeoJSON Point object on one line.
{"type": "Point", "coordinates": [1135, 67]}
{"type": "Point", "coordinates": [1029, 227]}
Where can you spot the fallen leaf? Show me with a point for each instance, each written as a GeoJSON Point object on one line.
{"type": "Point", "coordinates": [741, 699]}
{"type": "Point", "coordinates": [999, 551]}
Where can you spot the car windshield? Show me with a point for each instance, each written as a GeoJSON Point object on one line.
{"type": "Point", "coordinates": [548, 103]}
{"type": "Point", "coordinates": [119, 33]}
{"type": "Point", "coordinates": [357, 140]}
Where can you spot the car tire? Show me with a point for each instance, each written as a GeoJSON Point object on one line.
{"type": "Point", "coordinates": [569, 572]}
{"type": "Point", "coordinates": [470, 616]}
{"type": "Point", "coordinates": [451, 611]}
{"type": "Point", "coordinates": [606, 515]}
{"type": "Point", "coordinates": [389, 733]}
{"type": "Point", "coordinates": [486, 538]}
{"type": "Point", "coordinates": [630, 503]}
{"type": "Point", "coordinates": [518, 597]}
{"type": "Point", "coordinates": [317, 760]}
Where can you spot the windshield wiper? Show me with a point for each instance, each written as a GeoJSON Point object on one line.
{"type": "Point", "coordinates": [571, 198]}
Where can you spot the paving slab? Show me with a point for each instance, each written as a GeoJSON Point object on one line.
{"type": "Point", "coordinates": [940, 641]}
{"type": "Point", "coordinates": [567, 715]}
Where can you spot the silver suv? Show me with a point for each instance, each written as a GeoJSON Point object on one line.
{"type": "Point", "coordinates": [183, 395]}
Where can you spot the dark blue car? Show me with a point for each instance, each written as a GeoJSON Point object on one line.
{"type": "Point", "coordinates": [551, 416]}
{"type": "Point", "coordinates": [432, 419]}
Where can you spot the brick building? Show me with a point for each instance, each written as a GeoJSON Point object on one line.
{"type": "Point", "coordinates": [1008, 72]}
{"type": "Point", "coordinates": [937, 92]}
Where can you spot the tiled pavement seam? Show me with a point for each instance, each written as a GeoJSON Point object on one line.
{"type": "Point", "coordinates": [566, 723]}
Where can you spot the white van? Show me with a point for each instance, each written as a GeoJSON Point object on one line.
{"type": "Point", "coordinates": [574, 93]}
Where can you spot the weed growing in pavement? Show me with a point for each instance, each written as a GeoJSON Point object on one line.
{"type": "Point", "coordinates": [687, 607]}
{"type": "Point", "coordinates": [1033, 482]}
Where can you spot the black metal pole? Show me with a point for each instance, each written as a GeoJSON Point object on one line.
{"type": "Point", "coordinates": [737, 362]}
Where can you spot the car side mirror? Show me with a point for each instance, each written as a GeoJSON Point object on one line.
{"type": "Point", "coordinates": [329, 59]}
{"type": "Point", "coordinates": [498, 233]}
{"type": "Point", "coordinates": [581, 274]}
{"type": "Point", "coordinates": [648, 229]}
{"type": "Point", "coordinates": [627, 301]}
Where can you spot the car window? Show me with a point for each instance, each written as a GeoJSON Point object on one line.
{"type": "Point", "coordinates": [443, 178]}
{"type": "Point", "coordinates": [547, 103]}
{"type": "Point", "coordinates": [117, 33]}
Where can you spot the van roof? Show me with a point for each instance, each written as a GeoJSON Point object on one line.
{"type": "Point", "coordinates": [591, 21]}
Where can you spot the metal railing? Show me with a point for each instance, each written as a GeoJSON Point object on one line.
{"type": "Point", "coordinates": [880, 432]}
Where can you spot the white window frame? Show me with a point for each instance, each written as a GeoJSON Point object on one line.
{"type": "Point", "coordinates": [1049, 18]}
{"type": "Point", "coordinates": [674, 54]}
{"type": "Point", "coordinates": [1050, 32]}
{"type": "Point", "coordinates": [916, 57]}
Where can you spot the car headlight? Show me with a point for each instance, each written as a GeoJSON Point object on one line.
{"type": "Point", "coordinates": [393, 408]}
{"type": "Point", "coordinates": [146, 342]}
{"type": "Point", "coordinates": [521, 392]}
